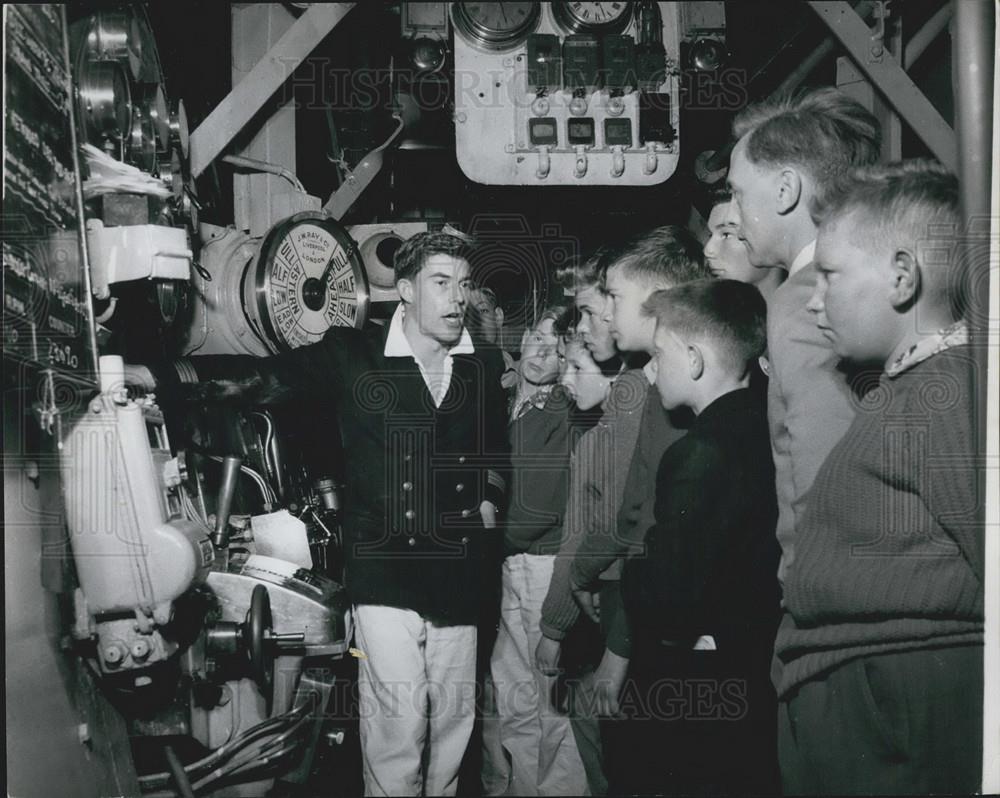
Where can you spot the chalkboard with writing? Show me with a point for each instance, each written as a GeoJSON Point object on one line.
{"type": "Point", "coordinates": [47, 319]}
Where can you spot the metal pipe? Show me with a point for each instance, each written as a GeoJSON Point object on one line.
{"type": "Point", "coordinates": [922, 39]}
{"type": "Point", "coordinates": [177, 771]}
{"type": "Point", "coordinates": [266, 166]}
{"type": "Point", "coordinates": [973, 54]}
{"type": "Point", "coordinates": [88, 305]}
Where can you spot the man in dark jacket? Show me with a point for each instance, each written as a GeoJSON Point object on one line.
{"type": "Point", "coordinates": [422, 421]}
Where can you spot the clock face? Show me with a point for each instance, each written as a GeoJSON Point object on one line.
{"type": "Point", "coordinates": [309, 278]}
{"type": "Point", "coordinates": [495, 25]}
{"type": "Point", "coordinates": [594, 17]}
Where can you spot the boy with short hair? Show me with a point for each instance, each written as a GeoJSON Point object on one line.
{"type": "Point", "coordinates": [725, 253]}
{"type": "Point", "coordinates": [703, 599]}
{"type": "Point", "coordinates": [882, 649]}
{"type": "Point", "coordinates": [660, 258]}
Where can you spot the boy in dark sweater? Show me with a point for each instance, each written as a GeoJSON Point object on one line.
{"type": "Point", "coordinates": [703, 601]}
{"type": "Point", "coordinates": [882, 678]}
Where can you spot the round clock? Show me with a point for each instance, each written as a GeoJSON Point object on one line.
{"type": "Point", "coordinates": [593, 17]}
{"type": "Point", "coordinates": [495, 26]}
{"type": "Point", "coordinates": [308, 278]}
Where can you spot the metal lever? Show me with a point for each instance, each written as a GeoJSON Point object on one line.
{"type": "Point", "coordinates": [617, 161]}
{"type": "Point", "coordinates": [230, 473]}
{"type": "Point", "coordinates": [542, 170]}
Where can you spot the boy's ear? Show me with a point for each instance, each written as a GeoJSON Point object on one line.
{"type": "Point", "coordinates": [789, 186]}
{"type": "Point", "coordinates": [905, 279]}
{"type": "Point", "coordinates": [406, 289]}
{"type": "Point", "coordinates": [696, 361]}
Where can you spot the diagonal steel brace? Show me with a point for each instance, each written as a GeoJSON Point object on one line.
{"type": "Point", "coordinates": [231, 115]}
{"type": "Point", "coordinates": [890, 79]}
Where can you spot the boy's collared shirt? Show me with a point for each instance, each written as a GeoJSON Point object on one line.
{"type": "Point", "coordinates": [398, 345]}
{"type": "Point", "coordinates": [806, 256]}
{"type": "Point", "coordinates": [955, 334]}
{"type": "Point", "coordinates": [536, 399]}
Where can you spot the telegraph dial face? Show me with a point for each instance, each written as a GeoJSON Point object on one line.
{"type": "Point", "coordinates": [309, 278]}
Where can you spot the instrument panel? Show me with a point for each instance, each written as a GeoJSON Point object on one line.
{"type": "Point", "coordinates": [568, 93]}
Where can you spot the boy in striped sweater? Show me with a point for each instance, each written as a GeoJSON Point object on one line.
{"type": "Point", "coordinates": [882, 677]}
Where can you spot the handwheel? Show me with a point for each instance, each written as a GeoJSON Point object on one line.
{"type": "Point", "coordinates": [257, 641]}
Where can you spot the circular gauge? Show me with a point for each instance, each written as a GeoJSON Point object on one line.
{"type": "Point", "coordinates": [495, 26]}
{"type": "Point", "coordinates": [309, 278]}
{"type": "Point", "coordinates": [593, 17]}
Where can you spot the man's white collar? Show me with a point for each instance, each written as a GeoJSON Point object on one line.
{"type": "Point", "coordinates": [398, 345]}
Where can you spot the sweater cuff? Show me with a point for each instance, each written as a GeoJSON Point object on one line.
{"type": "Point", "coordinates": [551, 632]}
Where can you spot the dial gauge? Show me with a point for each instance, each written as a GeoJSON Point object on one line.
{"type": "Point", "coordinates": [495, 26]}
{"type": "Point", "coordinates": [593, 17]}
{"type": "Point", "coordinates": [309, 277]}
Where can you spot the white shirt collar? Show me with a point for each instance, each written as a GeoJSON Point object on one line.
{"type": "Point", "coordinates": [398, 345]}
{"type": "Point", "coordinates": [806, 256]}
{"type": "Point", "coordinates": [650, 371]}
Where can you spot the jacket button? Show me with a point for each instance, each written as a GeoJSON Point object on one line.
{"type": "Point", "coordinates": [412, 541]}
{"type": "Point", "coordinates": [407, 486]}
{"type": "Point", "coordinates": [410, 515]}
{"type": "Point", "coordinates": [407, 457]}
{"type": "Point", "coordinates": [461, 459]}
{"type": "Point", "coordinates": [459, 487]}
{"type": "Point", "coordinates": [465, 540]}
{"type": "Point", "coordinates": [466, 513]}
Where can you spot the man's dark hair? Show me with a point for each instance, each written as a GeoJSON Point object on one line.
{"type": "Point", "coordinates": [823, 132]}
{"type": "Point", "coordinates": [728, 315]}
{"type": "Point", "coordinates": [719, 195]}
{"type": "Point", "coordinates": [413, 254]}
{"type": "Point", "coordinates": [664, 256]}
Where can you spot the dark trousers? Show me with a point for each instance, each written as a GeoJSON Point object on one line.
{"type": "Point", "coordinates": [906, 723]}
{"type": "Point", "coordinates": [697, 723]}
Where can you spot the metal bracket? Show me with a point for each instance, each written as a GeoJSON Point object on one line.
{"type": "Point", "coordinates": [890, 79]}
{"type": "Point", "coordinates": [231, 115]}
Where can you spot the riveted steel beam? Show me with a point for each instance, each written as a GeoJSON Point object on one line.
{"type": "Point", "coordinates": [885, 73]}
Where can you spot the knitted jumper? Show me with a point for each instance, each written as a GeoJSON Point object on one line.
{"type": "Point", "coordinates": [597, 480]}
{"type": "Point", "coordinates": [889, 555]}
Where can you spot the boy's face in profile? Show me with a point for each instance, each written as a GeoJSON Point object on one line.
{"type": "Point", "coordinates": [582, 377]}
{"type": "Point", "coordinates": [725, 254]}
{"type": "Point", "coordinates": [852, 301]}
{"type": "Point", "coordinates": [632, 331]}
{"type": "Point", "coordinates": [593, 327]}
{"type": "Point", "coordinates": [673, 374]}
{"type": "Point", "coordinates": [483, 316]}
